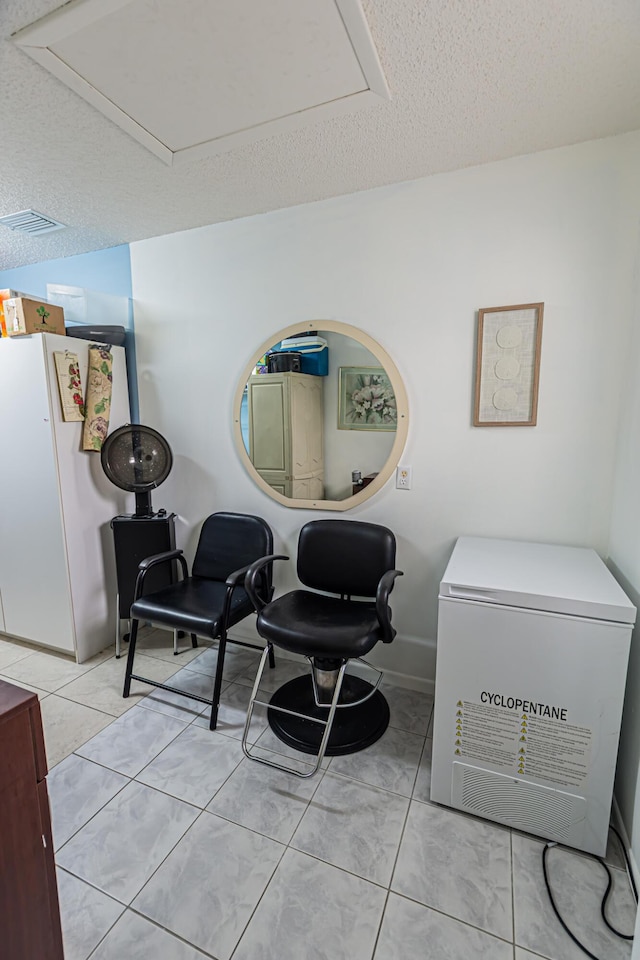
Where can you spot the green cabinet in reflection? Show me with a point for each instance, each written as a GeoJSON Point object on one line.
{"type": "Point", "coordinates": [286, 442]}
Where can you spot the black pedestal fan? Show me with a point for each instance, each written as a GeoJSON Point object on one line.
{"type": "Point", "coordinates": [138, 459]}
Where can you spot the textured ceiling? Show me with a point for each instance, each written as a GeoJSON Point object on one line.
{"type": "Point", "coordinates": [470, 83]}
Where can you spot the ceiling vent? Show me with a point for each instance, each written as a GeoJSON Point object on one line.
{"type": "Point", "coordinates": [28, 221]}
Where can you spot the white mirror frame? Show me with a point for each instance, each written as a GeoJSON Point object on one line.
{"type": "Point", "coordinates": [402, 406]}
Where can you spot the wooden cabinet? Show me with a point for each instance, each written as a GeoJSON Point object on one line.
{"type": "Point", "coordinates": [29, 914]}
{"type": "Point", "coordinates": [286, 436]}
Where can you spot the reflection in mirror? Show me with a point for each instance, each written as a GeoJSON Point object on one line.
{"type": "Point", "coordinates": [320, 423]}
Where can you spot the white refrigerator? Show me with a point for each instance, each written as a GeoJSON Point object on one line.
{"type": "Point", "coordinates": [533, 645]}
{"type": "Point", "coordinates": [57, 571]}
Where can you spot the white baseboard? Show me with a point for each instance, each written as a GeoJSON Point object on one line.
{"type": "Point", "coordinates": [422, 684]}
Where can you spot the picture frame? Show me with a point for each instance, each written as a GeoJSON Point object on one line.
{"type": "Point", "coordinates": [69, 385]}
{"type": "Point", "coordinates": [366, 400]}
{"type": "Point", "coordinates": [508, 365]}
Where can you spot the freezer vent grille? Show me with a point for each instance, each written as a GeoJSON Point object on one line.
{"type": "Point", "coordinates": [526, 806]}
{"type": "Point", "coordinates": [31, 222]}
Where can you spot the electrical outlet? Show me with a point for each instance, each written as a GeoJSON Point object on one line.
{"type": "Point", "coordinates": [403, 478]}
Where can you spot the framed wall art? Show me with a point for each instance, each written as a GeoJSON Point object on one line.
{"type": "Point", "coordinates": [366, 400]}
{"type": "Point", "coordinates": [69, 385]}
{"type": "Point", "coordinates": [508, 366]}
{"type": "Point", "coordinates": [98, 402]}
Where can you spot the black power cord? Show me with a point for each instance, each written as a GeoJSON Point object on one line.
{"type": "Point", "coordinates": [605, 898]}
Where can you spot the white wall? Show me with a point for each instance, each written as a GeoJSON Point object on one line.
{"type": "Point", "coordinates": [624, 547]}
{"type": "Point", "coordinates": [411, 264]}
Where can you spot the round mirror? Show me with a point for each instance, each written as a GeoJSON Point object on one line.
{"type": "Point", "coordinates": [320, 416]}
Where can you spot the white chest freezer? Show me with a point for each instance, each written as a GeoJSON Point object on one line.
{"type": "Point", "coordinates": [533, 644]}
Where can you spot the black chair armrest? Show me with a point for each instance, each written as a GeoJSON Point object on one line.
{"type": "Point", "coordinates": [159, 558]}
{"type": "Point", "coordinates": [233, 580]}
{"type": "Point", "coordinates": [237, 576]}
{"type": "Point", "coordinates": [253, 574]}
{"type": "Point", "coordinates": [145, 565]}
{"type": "Point", "coordinates": [382, 603]}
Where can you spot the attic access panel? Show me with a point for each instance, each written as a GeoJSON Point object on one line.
{"type": "Point", "coordinates": [200, 77]}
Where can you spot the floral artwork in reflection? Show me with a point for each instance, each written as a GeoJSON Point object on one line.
{"type": "Point", "coordinates": [366, 399]}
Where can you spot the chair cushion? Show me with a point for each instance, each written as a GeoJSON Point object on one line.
{"type": "Point", "coordinates": [192, 605]}
{"type": "Point", "coordinates": [318, 626]}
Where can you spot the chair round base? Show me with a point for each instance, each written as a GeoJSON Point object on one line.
{"type": "Point", "coordinates": [354, 728]}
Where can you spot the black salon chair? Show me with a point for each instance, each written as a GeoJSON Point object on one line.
{"type": "Point", "coordinates": [212, 599]}
{"type": "Point", "coordinates": [328, 712]}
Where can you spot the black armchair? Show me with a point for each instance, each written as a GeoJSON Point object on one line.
{"type": "Point", "coordinates": [328, 711]}
{"type": "Point", "coordinates": [212, 599]}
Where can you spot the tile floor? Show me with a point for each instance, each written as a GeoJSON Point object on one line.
{"type": "Point", "coordinates": [172, 846]}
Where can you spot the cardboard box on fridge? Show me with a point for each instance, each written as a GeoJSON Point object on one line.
{"type": "Point", "coordinates": [6, 295]}
{"type": "Point", "coordinates": [23, 315]}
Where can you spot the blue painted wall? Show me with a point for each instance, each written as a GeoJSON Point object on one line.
{"type": "Point", "coordinates": [106, 271]}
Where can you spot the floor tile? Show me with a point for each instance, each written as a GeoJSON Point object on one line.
{"type": "Point", "coordinates": [12, 652]}
{"type": "Point", "coordinates": [457, 864]}
{"type": "Point", "coordinates": [194, 765]}
{"type": "Point", "coordinates": [207, 889]}
{"type": "Point", "coordinates": [155, 642]}
{"type": "Point", "coordinates": [134, 938]}
{"type": "Point", "coordinates": [232, 713]}
{"type": "Point", "coordinates": [132, 741]}
{"type": "Point", "coordinates": [26, 686]}
{"type": "Point", "coordinates": [353, 826]}
{"type": "Point", "coordinates": [273, 679]}
{"type": "Point", "coordinates": [410, 709]}
{"type": "Point", "coordinates": [120, 848]}
{"type": "Point", "coordinates": [67, 725]}
{"type": "Point", "coordinates": [268, 741]}
{"type": "Point", "coordinates": [237, 660]}
{"type": "Point", "coordinates": [264, 799]}
{"type": "Point", "coordinates": [407, 928]}
{"type": "Point", "coordinates": [311, 909]}
{"type": "Point", "coordinates": [47, 671]}
{"type": "Point", "coordinates": [578, 884]}
{"type": "Point", "coordinates": [86, 915]}
{"type": "Point", "coordinates": [422, 788]}
{"type": "Point", "coordinates": [102, 687]}
{"type": "Point", "coordinates": [172, 704]}
{"type": "Point", "coordinates": [119, 833]}
{"type": "Point", "coordinates": [77, 790]}
{"type": "Point", "coordinates": [391, 763]}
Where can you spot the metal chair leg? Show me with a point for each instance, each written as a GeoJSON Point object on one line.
{"type": "Point", "coordinates": [217, 683]}
{"type": "Point", "coordinates": [118, 625]}
{"type": "Point", "coordinates": [328, 723]}
{"type": "Point", "coordinates": [177, 634]}
{"type": "Point", "coordinates": [133, 636]}
{"type": "Point", "coordinates": [119, 637]}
